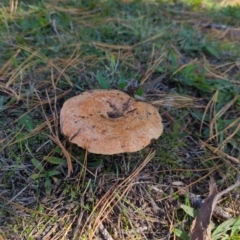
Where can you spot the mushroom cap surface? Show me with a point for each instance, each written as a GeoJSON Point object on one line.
{"type": "Point", "coordinates": [109, 122]}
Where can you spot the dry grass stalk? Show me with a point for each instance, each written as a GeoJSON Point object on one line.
{"type": "Point", "coordinates": [105, 205]}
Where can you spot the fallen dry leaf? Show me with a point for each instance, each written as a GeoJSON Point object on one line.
{"type": "Point", "coordinates": [201, 228]}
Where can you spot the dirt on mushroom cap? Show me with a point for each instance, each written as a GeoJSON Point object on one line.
{"type": "Point", "coordinates": [109, 122]}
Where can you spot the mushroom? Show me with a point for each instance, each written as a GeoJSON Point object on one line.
{"type": "Point", "coordinates": [109, 122]}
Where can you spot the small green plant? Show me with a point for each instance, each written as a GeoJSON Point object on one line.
{"type": "Point", "coordinates": [122, 83]}
{"type": "Point", "coordinates": [53, 50]}
{"type": "Point", "coordinates": [103, 83]}
{"type": "Point", "coordinates": [44, 174]}
{"type": "Point", "coordinates": [229, 229]}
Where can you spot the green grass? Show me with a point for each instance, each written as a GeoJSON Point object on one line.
{"type": "Point", "coordinates": [53, 50]}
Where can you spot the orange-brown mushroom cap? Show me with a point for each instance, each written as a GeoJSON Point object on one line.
{"type": "Point", "coordinates": [109, 122]}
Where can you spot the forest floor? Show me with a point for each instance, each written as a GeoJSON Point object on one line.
{"type": "Point", "coordinates": [181, 56]}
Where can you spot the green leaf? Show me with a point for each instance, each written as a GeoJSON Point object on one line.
{"type": "Point", "coordinates": [173, 59]}
{"type": "Point", "coordinates": [112, 61]}
{"type": "Point", "coordinates": [55, 160]}
{"type": "Point", "coordinates": [48, 186]}
{"type": "Point", "coordinates": [122, 83]}
{"type": "Point", "coordinates": [211, 50]}
{"type": "Point", "coordinates": [15, 62]}
{"type": "Point", "coordinates": [222, 229]}
{"type": "Point", "coordinates": [96, 163]}
{"type": "Point", "coordinates": [103, 83]}
{"type": "Point", "coordinates": [52, 173]}
{"type": "Point", "coordinates": [2, 102]}
{"type": "Point", "coordinates": [57, 150]}
{"type": "Point", "coordinates": [27, 121]}
{"type": "Point", "coordinates": [188, 69]}
{"type": "Point", "coordinates": [179, 233]}
{"type": "Point", "coordinates": [236, 228]}
{"type": "Point", "coordinates": [38, 165]}
{"type": "Point", "coordinates": [176, 128]}
{"type": "Point", "coordinates": [188, 210]}
{"type": "Point", "coordinates": [37, 176]}
{"type": "Point", "coordinates": [139, 92]}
